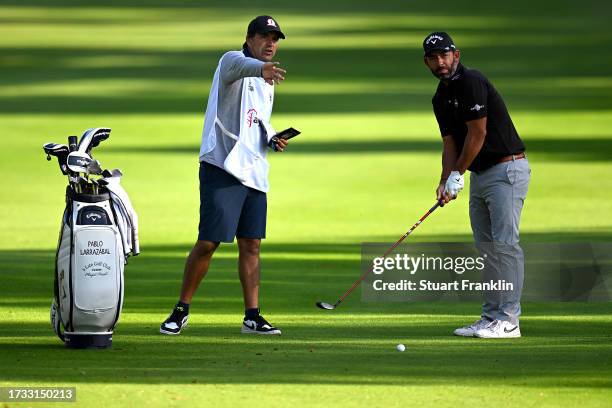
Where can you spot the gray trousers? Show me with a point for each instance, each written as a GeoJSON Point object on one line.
{"type": "Point", "coordinates": [496, 200]}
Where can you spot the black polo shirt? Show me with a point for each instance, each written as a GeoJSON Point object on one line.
{"type": "Point", "coordinates": [468, 96]}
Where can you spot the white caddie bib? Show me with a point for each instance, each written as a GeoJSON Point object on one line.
{"type": "Point", "coordinates": [247, 159]}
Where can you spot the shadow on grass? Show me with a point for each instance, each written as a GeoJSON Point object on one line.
{"type": "Point", "coordinates": [565, 344]}
{"type": "Point", "coordinates": [294, 277]}
{"type": "Point", "coordinates": [316, 65]}
{"type": "Point", "coordinates": [139, 102]}
{"type": "Point", "coordinates": [557, 353]}
{"type": "Point", "coordinates": [342, 6]}
{"type": "Point", "coordinates": [549, 149]}
{"type": "Point", "coordinates": [149, 75]}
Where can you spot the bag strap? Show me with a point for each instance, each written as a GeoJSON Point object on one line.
{"type": "Point", "coordinates": [233, 136]}
{"type": "Point", "coordinates": [225, 131]}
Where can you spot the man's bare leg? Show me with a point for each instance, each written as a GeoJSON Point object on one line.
{"type": "Point", "coordinates": [248, 269]}
{"type": "Point", "coordinates": [196, 268]}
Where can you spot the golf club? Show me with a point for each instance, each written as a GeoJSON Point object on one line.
{"type": "Point", "coordinates": [78, 162]}
{"type": "Point", "coordinates": [94, 167]}
{"type": "Point", "coordinates": [112, 173]}
{"type": "Point", "coordinates": [74, 181]}
{"type": "Point", "coordinates": [92, 138]}
{"type": "Point", "coordinates": [95, 186]}
{"type": "Point", "coordinates": [99, 138]}
{"type": "Point", "coordinates": [83, 185]}
{"type": "Point", "coordinates": [329, 306]}
{"type": "Point", "coordinates": [60, 151]}
{"type": "Point", "coordinates": [72, 143]}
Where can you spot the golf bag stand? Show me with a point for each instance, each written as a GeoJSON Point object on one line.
{"type": "Point", "coordinates": [89, 264]}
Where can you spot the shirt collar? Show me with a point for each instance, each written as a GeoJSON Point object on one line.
{"type": "Point", "coordinates": [458, 73]}
{"type": "Point", "coordinates": [245, 51]}
{"type": "Point", "coordinates": [446, 83]}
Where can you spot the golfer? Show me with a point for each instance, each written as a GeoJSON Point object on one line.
{"type": "Point", "coordinates": [234, 170]}
{"type": "Point", "coordinates": [478, 135]}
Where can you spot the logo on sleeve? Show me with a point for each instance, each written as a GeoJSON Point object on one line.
{"type": "Point", "coordinates": [477, 107]}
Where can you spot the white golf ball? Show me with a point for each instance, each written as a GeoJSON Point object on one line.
{"type": "Point", "coordinates": [400, 347]}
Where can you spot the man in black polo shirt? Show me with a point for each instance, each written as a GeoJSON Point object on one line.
{"type": "Point", "coordinates": [478, 135]}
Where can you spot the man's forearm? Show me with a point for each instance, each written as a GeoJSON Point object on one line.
{"type": "Point", "coordinates": [449, 158]}
{"type": "Point", "coordinates": [471, 148]}
{"type": "Point", "coordinates": [476, 132]}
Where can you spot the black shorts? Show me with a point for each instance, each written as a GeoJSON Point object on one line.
{"type": "Point", "coordinates": [229, 209]}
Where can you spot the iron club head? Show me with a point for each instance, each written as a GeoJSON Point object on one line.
{"type": "Point", "coordinates": [78, 162]}
{"type": "Point", "coordinates": [94, 167]}
{"type": "Point", "coordinates": [325, 306]}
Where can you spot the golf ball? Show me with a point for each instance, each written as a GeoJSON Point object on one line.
{"type": "Point", "coordinates": [400, 347]}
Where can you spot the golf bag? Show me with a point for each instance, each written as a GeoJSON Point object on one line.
{"type": "Point", "coordinates": [98, 232]}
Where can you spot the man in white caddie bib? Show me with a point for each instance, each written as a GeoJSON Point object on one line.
{"type": "Point", "coordinates": [234, 170]}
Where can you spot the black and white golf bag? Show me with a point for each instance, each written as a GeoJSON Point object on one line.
{"type": "Point", "coordinates": [98, 232]}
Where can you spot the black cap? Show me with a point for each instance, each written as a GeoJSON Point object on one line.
{"type": "Point", "coordinates": [264, 25]}
{"type": "Point", "coordinates": [438, 41]}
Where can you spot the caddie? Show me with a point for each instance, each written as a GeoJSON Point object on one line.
{"type": "Point", "coordinates": [234, 170]}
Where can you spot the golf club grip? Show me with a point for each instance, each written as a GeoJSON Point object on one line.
{"type": "Point", "coordinates": [72, 143]}
{"type": "Point", "coordinates": [366, 273]}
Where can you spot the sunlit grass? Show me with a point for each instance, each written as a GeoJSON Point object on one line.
{"type": "Point", "coordinates": [364, 169]}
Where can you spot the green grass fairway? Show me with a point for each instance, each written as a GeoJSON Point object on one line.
{"type": "Point", "coordinates": [363, 170]}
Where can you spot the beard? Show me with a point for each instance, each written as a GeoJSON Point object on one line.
{"type": "Point", "coordinates": [445, 76]}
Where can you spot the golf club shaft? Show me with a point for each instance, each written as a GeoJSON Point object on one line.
{"type": "Point", "coordinates": [362, 277]}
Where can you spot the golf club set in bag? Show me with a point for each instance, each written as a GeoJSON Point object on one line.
{"type": "Point", "coordinates": [99, 231]}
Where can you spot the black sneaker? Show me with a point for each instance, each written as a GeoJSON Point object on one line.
{"type": "Point", "coordinates": [175, 322]}
{"type": "Point", "coordinates": [258, 326]}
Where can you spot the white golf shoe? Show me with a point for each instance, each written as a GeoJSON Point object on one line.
{"type": "Point", "coordinates": [499, 329]}
{"type": "Point", "coordinates": [470, 331]}
{"type": "Point", "coordinates": [258, 326]}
